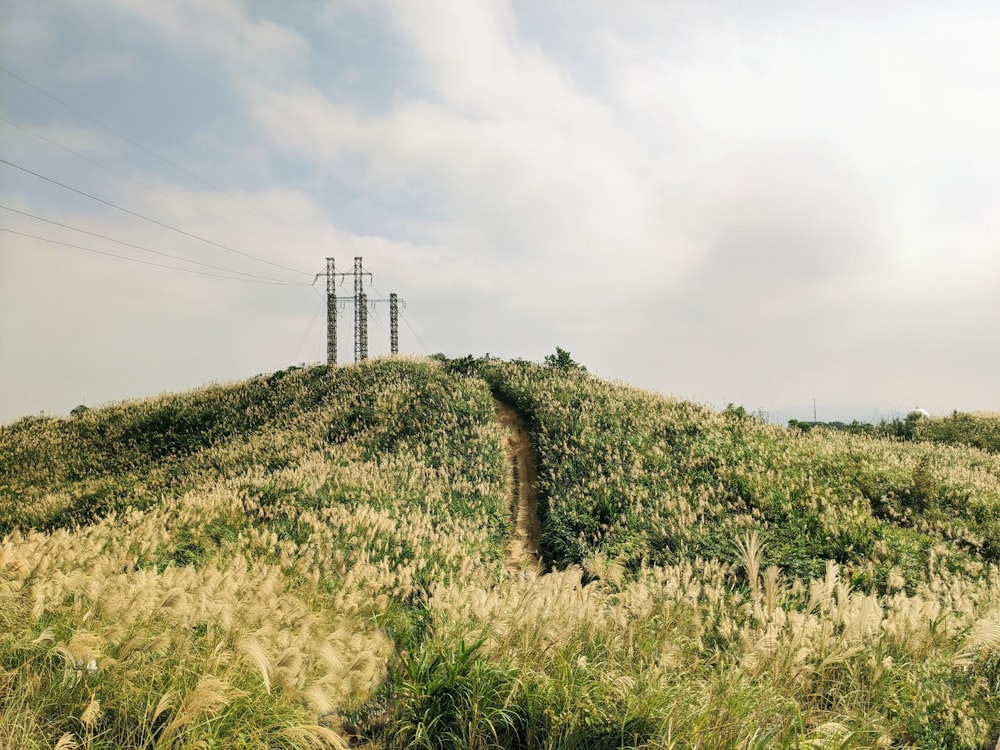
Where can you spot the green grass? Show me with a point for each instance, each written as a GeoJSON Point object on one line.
{"type": "Point", "coordinates": [296, 559]}
{"type": "Point", "coordinates": [205, 521]}
{"type": "Point", "coordinates": [633, 474]}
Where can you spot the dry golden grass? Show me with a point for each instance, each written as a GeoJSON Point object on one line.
{"type": "Point", "coordinates": [339, 563]}
{"type": "Point", "coordinates": [253, 593]}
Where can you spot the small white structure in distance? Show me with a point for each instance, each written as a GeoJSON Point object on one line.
{"type": "Point", "coordinates": [918, 413]}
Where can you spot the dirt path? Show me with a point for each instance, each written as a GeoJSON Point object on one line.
{"type": "Point", "coordinates": [522, 493]}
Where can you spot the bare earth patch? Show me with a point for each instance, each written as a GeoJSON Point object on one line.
{"type": "Point", "coordinates": [522, 548]}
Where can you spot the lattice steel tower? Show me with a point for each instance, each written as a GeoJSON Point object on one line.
{"type": "Point", "coordinates": [360, 313]}
{"type": "Point", "coordinates": [393, 323]}
{"type": "Point", "coordinates": [361, 302]}
{"type": "Point", "coordinates": [331, 313]}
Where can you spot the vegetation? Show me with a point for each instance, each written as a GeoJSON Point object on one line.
{"type": "Point", "coordinates": [562, 360]}
{"type": "Point", "coordinates": [235, 566]}
{"type": "Point", "coordinates": [298, 559]}
{"type": "Point", "coordinates": [974, 430]}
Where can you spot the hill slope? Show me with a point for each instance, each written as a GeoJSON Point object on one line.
{"type": "Point", "coordinates": [296, 559]}
{"type": "Point", "coordinates": [231, 563]}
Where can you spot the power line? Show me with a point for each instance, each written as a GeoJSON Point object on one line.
{"type": "Point", "coordinates": [151, 220]}
{"type": "Point", "coordinates": [422, 343]}
{"type": "Point", "coordinates": [377, 319]}
{"type": "Point", "coordinates": [114, 171]}
{"type": "Point", "coordinates": [140, 247]}
{"type": "Point", "coordinates": [148, 262]}
{"type": "Point", "coordinates": [302, 338]}
{"type": "Point", "coordinates": [139, 146]}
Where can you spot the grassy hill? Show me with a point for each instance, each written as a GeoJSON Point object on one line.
{"type": "Point", "coordinates": [315, 558]}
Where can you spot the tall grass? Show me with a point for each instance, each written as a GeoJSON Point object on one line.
{"type": "Point", "coordinates": [644, 477]}
{"type": "Point", "coordinates": [245, 586]}
{"type": "Point", "coordinates": [324, 564]}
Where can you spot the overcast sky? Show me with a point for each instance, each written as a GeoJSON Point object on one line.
{"type": "Point", "coordinates": [759, 203]}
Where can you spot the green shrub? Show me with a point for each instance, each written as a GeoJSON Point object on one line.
{"type": "Point", "coordinates": [449, 699]}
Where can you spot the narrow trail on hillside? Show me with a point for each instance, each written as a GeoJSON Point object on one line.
{"type": "Point", "coordinates": [522, 494]}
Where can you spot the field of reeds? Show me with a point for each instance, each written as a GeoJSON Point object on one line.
{"type": "Point", "coordinates": [316, 559]}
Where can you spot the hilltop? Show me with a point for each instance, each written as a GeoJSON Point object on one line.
{"type": "Point", "coordinates": [316, 558]}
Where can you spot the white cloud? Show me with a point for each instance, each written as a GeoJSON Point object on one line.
{"type": "Point", "coordinates": [39, 141]}
{"type": "Point", "coordinates": [25, 28]}
{"type": "Point", "coordinates": [750, 204]}
{"type": "Point", "coordinates": [251, 48]}
{"type": "Point", "coordinates": [500, 150]}
{"type": "Point", "coordinates": [99, 66]}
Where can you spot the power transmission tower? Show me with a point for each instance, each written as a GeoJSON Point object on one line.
{"type": "Point", "coordinates": [361, 303]}
{"type": "Point", "coordinates": [331, 313]}
{"type": "Point", "coordinates": [360, 313]}
{"type": "Point", "coordinates": [395, 304]}
{"type": "Point", "coordinates": [393, 324]}
{"type": "Point", "coordinates": [361, 328]}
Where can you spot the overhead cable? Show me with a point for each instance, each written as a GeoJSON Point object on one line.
{"type": "Point", "coordinates": [140, 247]}
{"type": "Point", "coordinates": [123, 176]}
{"type": "Point", "coordinates": [149, 262]}
{"type": "Point", "coordinates": [426, 348]}
{"type": "Point", "coordinates": [151, 220]}
{"type": "Point", "coordinates": [294, 348]}
{"type": "Point", "coordinates": [149, 151]}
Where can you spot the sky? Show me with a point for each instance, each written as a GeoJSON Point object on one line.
{"type": "Point", "coordinates": [773, 204]}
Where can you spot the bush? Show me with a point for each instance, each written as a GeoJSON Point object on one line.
{"type": "Point", "coordinates": [562, 360]}
{"type": "Point", "coordinates": [453, 700]}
